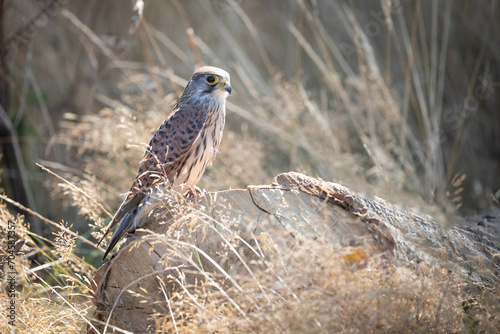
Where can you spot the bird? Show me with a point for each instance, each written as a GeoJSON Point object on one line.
{"type": "Point", "coordinates": [181, 148]}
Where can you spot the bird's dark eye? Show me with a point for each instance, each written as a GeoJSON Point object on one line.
{"type": "Point", "coordinates": [212, 79]}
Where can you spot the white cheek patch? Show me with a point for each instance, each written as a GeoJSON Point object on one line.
{"type": "Point", "coordinates": [220, 96]}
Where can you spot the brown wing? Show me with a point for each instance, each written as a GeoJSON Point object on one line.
{"type": "Point", "coordinates": [169, 146]}
{"type": "Point", "coordinates": [167, 151]}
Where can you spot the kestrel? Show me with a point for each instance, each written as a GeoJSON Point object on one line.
{"type": "Point", "coordinates": [182, 147]}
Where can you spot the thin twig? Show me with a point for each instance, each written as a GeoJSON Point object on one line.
{"type": "Point", "coordinates": [76, 188]}
{"type": "Point", "coordinates": [62, 298]}
{"type": "Point", "coordinates": [53, 223]}
{"type": "Point", "coordinates": [168, 302]}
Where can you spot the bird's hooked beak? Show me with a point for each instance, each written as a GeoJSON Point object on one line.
{"type": "Point", "coordinates": [225, 86]}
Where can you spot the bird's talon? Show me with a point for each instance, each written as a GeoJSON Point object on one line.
{"type": "Point", "coordinates": [194, 191]}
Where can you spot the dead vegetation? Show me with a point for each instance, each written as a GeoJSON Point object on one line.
{"type": "Point", "coordinates": [218, 268]}
{"type": "Point", "coordinates": [394, 98]}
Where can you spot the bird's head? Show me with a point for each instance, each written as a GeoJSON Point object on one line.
{"type": "Point", "coordinates": [209, 82]}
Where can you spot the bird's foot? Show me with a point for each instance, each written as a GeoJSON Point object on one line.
{"type": "Point", "coordinates": [194, 191]}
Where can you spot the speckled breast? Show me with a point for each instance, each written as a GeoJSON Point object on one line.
{"type": "Point", "coordinates": [203, 151]}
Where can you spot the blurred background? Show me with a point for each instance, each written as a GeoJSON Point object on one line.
{"type": "Point", "coordinates": [399, 99]}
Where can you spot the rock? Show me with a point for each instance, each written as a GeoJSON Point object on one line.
{"type": "Point", "coordinates": [218, 236]}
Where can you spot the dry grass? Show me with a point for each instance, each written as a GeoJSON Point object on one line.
{"type": "Point", "coordinates": [273, 283]}
{"type": "Point", "coordinates": [50, 281]}
{"type": "Point", "coordinates": [314, 290]}
{"type": "Point", "coordinates": [400, 105]}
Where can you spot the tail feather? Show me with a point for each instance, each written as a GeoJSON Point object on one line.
{"type": "Point", "coordinates": [128, 205]}
{"type": "Point", "coordinates": [127, 225]}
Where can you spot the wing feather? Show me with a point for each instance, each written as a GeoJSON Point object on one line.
{"type": "Point", "coordinates": [170, 146]}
